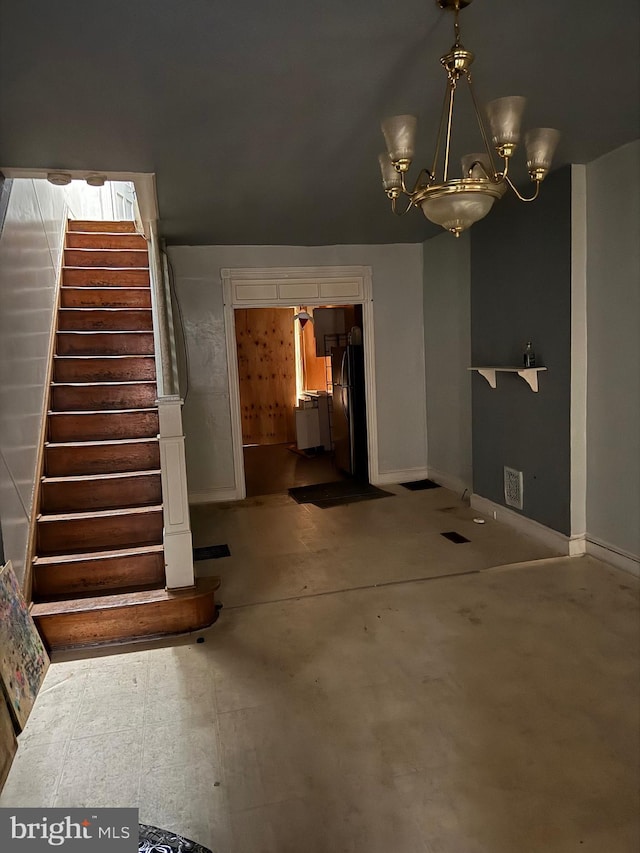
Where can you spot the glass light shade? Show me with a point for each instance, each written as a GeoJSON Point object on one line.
{"type": "Point", "coordinates": [505, 115]}
{"type": "Point", "coordinates": [541, 144]}
{"type": "Point", "coordinates": [390, 177]}
{"type": "Point", "coordinates": [479, 172]}
{"type": "Point", "coordinates": [458, 211]}
{"type": "Point", "coordinates": [400, 136]}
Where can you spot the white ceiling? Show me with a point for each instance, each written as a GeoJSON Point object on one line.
{"type": "Point", "coordinates": [261, 118]}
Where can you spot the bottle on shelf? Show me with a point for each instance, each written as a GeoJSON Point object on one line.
{"type": "Point", "coordinates": [529, 357]}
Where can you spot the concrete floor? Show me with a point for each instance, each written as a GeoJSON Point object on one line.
{"type": "Point", "coordinates": [487, 712]}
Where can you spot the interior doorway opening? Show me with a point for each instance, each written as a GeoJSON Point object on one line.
{"type": "Point", "coordinates": [302, 395]}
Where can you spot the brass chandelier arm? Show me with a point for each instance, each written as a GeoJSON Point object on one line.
{"type": "Point", "coordinates": [394, 207]}
{"type": "Point", "coordinates": [521, 197]}
{"type": "Point", "coordinates": [479, 165]}
{"type": "Point", "coordinates": [418, 184]}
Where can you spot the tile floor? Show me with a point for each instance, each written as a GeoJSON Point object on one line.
{"type": "Point", "coordinates": [281, 549]}
{"type": "Point", "coordinates": [493, 711]}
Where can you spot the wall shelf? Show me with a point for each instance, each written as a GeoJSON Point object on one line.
{"type": "Point", "coordinates": [529, 374]}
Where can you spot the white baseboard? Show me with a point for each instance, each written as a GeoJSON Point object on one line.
{"type": "Point", "coordinates": [572, 546]}
{"type": "Point", "coordinates": [213, 496]}
{"type": "Point", "coordinates": [545, 535]}
{"type": "Point", "coordinates": [614, 556]}
{"type": "Point", "coordinates": [408, 475]}
{"type": "Point", "coordinates": [449, 481]}
{"type": "Point", "coordinates": [577, 545]}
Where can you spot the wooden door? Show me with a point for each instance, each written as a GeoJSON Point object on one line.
{"type": "Point", "coordinates": [267, 374]}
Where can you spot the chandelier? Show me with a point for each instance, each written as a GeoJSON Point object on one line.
{"type": "Point", "coordinates": [456, 203]}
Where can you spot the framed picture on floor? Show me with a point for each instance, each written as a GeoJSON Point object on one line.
{"type": "Point", "coordinates": [8, 742]}
{"type": "Point", "coordinates": [23, 657]}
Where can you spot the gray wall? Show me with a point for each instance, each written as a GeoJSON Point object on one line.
{"type": "Point", "coordinates": [447, 273]}
{"type": "Point", "coordinates": [29, 257]}
{"type": "Point", "coordinates": [521, 290]}
{"type": "Point", "coordinates": [399, 349]}
{"type": "Point", "coordinates": [613, 350]}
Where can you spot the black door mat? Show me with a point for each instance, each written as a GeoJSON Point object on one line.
{"type": "Point", "coordinates": [420, 485]}
{"type": "Point", "coordinates": [211, 552]}
{"type": "Point", "coordinates": [326, 495]}
{"type": "Point", "coordinates": [456, 538]}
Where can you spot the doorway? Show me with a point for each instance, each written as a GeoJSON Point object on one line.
{"type": "Point", "coordinates": [312, 289]}
{"type": "Point", "coordinates": [302, 397]}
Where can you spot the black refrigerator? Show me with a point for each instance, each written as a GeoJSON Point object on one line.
{"type": "Point", "coordinates": [349, 416]}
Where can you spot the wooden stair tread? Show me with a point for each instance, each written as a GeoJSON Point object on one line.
{"type": "Point", "coordinates": [87, 308]}
{"type": "Point", "coordinates": [102, 382]}
{"type": "Point", "coordinates": [103, 331]}
{"type": "Point", "coordinates": [118, 226]}
{"type": "Point", "coordinates": [81, 595]}
{"type": "Point", "coordinates": [125, 298]}
{"type": "Point", "coordinates": [116, 475]}
{"type": "Point", "coordinates": [92, 367]}
{"type": "Point", "coordinates": [204, 586]}
{"type": "Point", "coordinates": [88, 556]}
{"type": "Point", "coordinates": [102, 424]}
{"type": "Point", "coordinates": [87, 357]}
{"type": "Point", "coordinates": [104, 342]}
{"type": "Point", "coordinates": [105, 232]}
{"type": "Point", "coordinates": [141, 251]}
{"type": "Point", "coordinates": [121, 258]}
{"type": "Point", "coordinates": [102, 442]}
{"type": "Point", "coordinates": [101, 318]}
{"type": "Point", "coordinates": [101, 288]}
{"type": "Point", "coordinates": [108, 277]}
{"type": "Point", "coordinates": [66, 413]}
{"type": "Point", "coordinates": [104, 240]}
{"type": "Point", "coordinates": [51, 518]}
{"type": "Point", "coordinates": [95, 270]}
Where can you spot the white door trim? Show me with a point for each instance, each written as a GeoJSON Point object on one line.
{"type": "Point", "coordinates": [273, 287]}
{"type": "Point", "coordinates": [578, 350]}
{"type": "Point", "coordinates": [144, 182]}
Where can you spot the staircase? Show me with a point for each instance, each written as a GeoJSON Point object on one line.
{"type": "Point", "coordinates": [98, 573]}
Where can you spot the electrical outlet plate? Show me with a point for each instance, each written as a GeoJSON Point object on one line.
{"type": "Point", "coordinates": [513, 487]}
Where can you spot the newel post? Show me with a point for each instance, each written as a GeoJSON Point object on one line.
{"type": "Point", "coordinates": [178, 548]}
